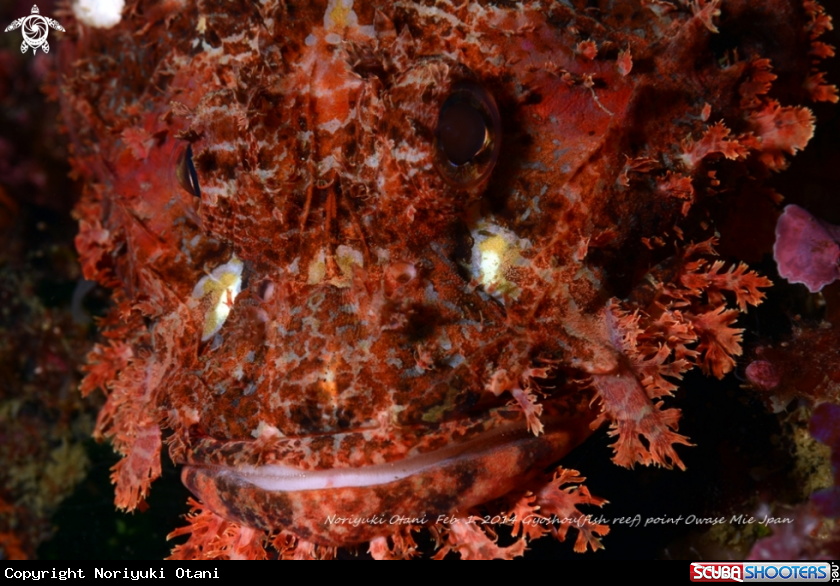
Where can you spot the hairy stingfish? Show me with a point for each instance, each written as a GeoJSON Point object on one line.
{"type": "Point", "coordinates": [378, 260]}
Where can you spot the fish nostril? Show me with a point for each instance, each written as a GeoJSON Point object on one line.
{"type": "Point", "coordinates": [265, 290]}
{"type": "Point", "coordinates": [398, 274]}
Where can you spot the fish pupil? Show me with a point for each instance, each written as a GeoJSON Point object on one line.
{"type": "Point", "coordinates": [461, 130]}
{"type": "Point", "coordinates": [467, 136]}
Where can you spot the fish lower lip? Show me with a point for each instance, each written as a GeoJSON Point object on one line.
{"type": "Point", "coordinates": [421, 487]}
{"type": "Point", "coordinates": [279, 478]}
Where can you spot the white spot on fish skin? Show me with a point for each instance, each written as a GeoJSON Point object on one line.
{"type": "Point", "coordinates": [310, 40]}
{"type": "Point", "coordinates": [391, 359]}
{"type": "Point", "coordinates": [221, 286]}
{"type": "Point", "coordinates": [266, 431]}
{"type": "Point", "coordinates": [331, 126]}
{"type": "Point", "coordinates": [266, 174]}
{"type": "Point", "coordinates": [368, 30]}
{"type": "Point", "coordinates": [408, 154]}
{"type": "Point", "coordinates": [490, 265]}
{"type": "Point", "coordinates": [340, 15]}
{"type": "Point", "coordinates": [444, 342]}
{"type": "Point", "coordinates": [216, 343]}
{"type": "Point", "coordinates": [346, 257]}
{"type": "Point", "coordinates": [234, 38]}
{"type": "Point", "coordinates": [328, 164]}
{"type": "Point", "coordinates": [294, 267]}
{"type": "Point", "coordinates": [212, 193]}
{"type": "Point", "coordinates": [226, 147]}
{"type": "Point", "coordinates": [317, 268]}
{"type": "Point", "coordinates": [496, 250]}
{"type": "Point", "coordinates": [383, 255]}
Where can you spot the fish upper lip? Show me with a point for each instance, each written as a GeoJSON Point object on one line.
{"type": "Point", "coordinates": [295, 455]}
{"type": "Point", "coordinates": [280, 478]}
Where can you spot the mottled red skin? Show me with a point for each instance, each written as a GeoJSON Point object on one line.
{"type": "Point", "coordinates": [455, 486]}
{"type": "Point", "coordinates": [311, 141]}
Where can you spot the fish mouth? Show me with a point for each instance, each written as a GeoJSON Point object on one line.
{"type": "Point", "coordinates": [347, 505]}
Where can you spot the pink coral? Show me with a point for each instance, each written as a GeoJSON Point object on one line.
{"type": "Point", "coordinates": [797, 540]}
{"type": "Point", "coordinates": [762, 375]}
{"type": "Point", "coordinates": [806, 249]}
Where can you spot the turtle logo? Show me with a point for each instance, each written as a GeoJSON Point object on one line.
{"type": "Point", "coordinates": [35, 30]}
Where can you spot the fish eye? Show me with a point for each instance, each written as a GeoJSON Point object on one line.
{"type": "Point", "coordinates": [468, 135]}
{"type": "Point", "coordinates": [186, 173]}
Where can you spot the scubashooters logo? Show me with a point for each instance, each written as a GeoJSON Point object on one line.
{"type": "Point", "coordinates": [762, 572]}
{"type": "Point", "coordinates": [35, 29]}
